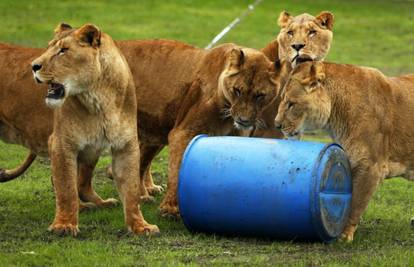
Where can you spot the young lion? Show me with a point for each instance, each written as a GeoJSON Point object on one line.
{"type": "Point", "coordinates": [369, 114]}
{"type": "Point", "coordinates": [92, 89]}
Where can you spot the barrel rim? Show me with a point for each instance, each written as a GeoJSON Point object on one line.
{"type": "Point", "coordinates": [183, 160]}
{"type": "Point", "coordinates": [314, 199]}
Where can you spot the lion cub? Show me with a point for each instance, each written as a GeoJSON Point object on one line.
{"type": "Point", "coordinates": [92, 89]}
{"type": "Point", "coordinates": [369, 114]}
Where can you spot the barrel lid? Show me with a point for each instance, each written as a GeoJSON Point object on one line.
{"type": "Point", "coordinates": [332, 192]}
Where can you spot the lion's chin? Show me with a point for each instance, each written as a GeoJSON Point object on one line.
{"type": "Point", "coordinates": [294, 135]}
{"type": "Point", "coordinates": [54, 103]}
{"type": "Point", "coordinates": [242, 127]}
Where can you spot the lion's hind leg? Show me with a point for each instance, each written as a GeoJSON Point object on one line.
{"type": "Point", "coordinates": [148, 187]}
{"type": "Point", "coordinates": [86, 192]}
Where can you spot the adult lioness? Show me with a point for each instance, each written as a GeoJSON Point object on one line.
{"type": "Point", "coordinates": [93, 90]}
{"type": "Point", "coordinates": [369, 114]}
{"type": "Point", "coordinates": [301, 38]}
{"type": "Point", "coordinates": [211, 92]}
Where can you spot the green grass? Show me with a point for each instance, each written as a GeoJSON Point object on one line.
{"type": "Point", "coordinates": [374, 33]}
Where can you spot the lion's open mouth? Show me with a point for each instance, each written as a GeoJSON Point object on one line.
{"type": "Point", "coordinates": [55, 91]}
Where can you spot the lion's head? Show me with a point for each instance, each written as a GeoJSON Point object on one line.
{"type": "Point", "coordinates": [305, 101]}
{"type": "Point", "coordinates": [248, 83]}
{"type": "Point", "coordinates": [304, 37]}
{"type": "Point", "coordinates": [70, 64]}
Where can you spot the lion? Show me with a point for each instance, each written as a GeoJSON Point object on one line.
{"type": "Point", "coordinates": [26, 120]}
{"type": "Point", "coordinates": [301, 38]}
{"type": "Point", "coordinates": [92, 90]}
{"type": "Point", "coordinates": [369, 114]}
{"type": "Point", "coordinates": [208, 91]}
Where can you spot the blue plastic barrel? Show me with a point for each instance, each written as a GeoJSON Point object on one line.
{"type": "Point", "coordinates": [265, 187]}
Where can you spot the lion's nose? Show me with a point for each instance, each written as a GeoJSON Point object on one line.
{"type": "Point", "coordinates": [298, 47]}
{"type": "Point", "coordinates": [36, 67]}
{"type": "Point", "coordinates": [278, 125]}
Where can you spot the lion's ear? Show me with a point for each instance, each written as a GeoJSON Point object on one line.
{"type": "Point", "coordinates": [326, 20]}
{"type": "Point", "coordinates": [236, 57]}
{"type": "Point", "coordinates": [62, 27]}
{"type": "Point", "coordinates": [89, 34]}
{"type": "Point", "coordinates": [284, 19]}
{"type": "Point", "coordinates": [235, 60]}
{"type": "Point", "coordinates": [316, 76]}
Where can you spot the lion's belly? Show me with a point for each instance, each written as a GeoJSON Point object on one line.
{"type": "Point", "coordinates": [11, 135]}
{"type": "Point", "coordinates": [91, 148]}
{"type": "Point", "coordinates": [395, 169]}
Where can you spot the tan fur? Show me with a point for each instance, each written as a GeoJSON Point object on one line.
{"type": "Point", "coordinates": [369, 114]}
{"type": "Point", "coordinates": [313, 33]}
{"type": "Point", "coordinates": [98, 110]}
{"type": "Point", "coordinates": [293, 31]}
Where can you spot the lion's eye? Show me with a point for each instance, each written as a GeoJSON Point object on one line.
{"type": "Point", "coordinates": [237, 92]}
{"type": "Point", "coordinates": [62, 50]}
{"type": "Point", "coordinates": [290, 33]}
{"type": "Point", "coordinates": [260, 97]}
{"type": "Point", "coordinates": [290, 105]}
{"type": "Point", "coordinates": [312, 32]}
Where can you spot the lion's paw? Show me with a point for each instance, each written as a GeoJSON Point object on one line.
{"type": "Point", "coordinates": [154, 189]}
{"type": "Point", "coordinates": [348, 234]}
{"type": "Point", "coordinates": [169, 211]}
{"type": "Point", "coordinates": [110, 202]}
{"type": "Point", "coordinates": [62, 229]}
{"type": "Point", "coordinates": [147, 199]}
{"type": "Point", "coordinates": [144, 229]}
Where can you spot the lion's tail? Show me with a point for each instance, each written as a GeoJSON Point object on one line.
{"type": "Point", "coordinates": [8, 175]}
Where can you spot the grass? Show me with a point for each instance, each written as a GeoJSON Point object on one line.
{"type": "Point", "coordinates": [374, 33]}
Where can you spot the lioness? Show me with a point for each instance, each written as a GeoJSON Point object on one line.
{"type": "Point", "coordinates": [213, 92]}
{"type": "Point", "coordinates": [369, 114]}
{"type": "Point", "coordinates": [301, 38]}
{"type": "Point", "coordinates": [93, 91]}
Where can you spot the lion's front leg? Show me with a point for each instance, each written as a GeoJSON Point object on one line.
{"type": "Point", "coordinates": [365, 180]}
{"type": "Point", "coordinates": [64, 172]}
{"type": "Point", "coordinates": [126, 175]}
{"type": "Point", "coordinates": [178, 141]}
